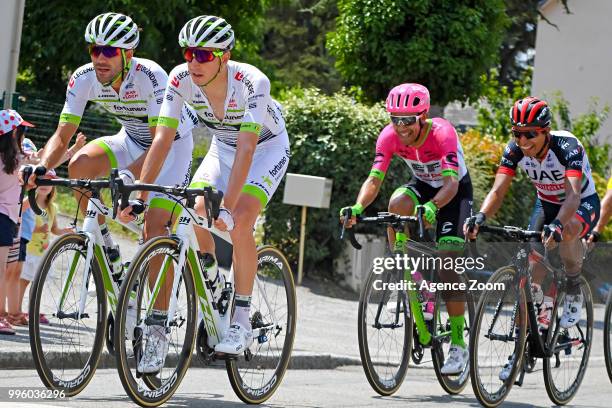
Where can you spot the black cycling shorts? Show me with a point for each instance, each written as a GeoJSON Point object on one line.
{"type": "Point", "coordinates": [452, 216]}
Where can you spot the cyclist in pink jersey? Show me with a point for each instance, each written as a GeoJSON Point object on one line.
{"type": "Point", "coordinates": [441, 185]}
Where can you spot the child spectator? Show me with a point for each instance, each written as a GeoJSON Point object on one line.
{"type": "Point", "coordinates": [12, 128]}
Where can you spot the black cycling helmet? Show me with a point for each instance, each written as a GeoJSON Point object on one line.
{"type": "Point", "coordinates": [530, 112]}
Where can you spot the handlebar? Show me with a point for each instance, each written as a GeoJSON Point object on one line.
{"type": "Point", "coordinates": [385, 218]}
{"type": "Point", "coordinates": [120, 192]}
{"type": "Point", "coordinates": [509, 231]}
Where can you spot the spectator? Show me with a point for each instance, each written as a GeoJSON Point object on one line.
{"type": "Point", "coordinates": [12, 129]}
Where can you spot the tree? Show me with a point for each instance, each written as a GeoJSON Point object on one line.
{"type": "Point", "coordinates": [294, 44]}
{"type": "Point", "coordinates": [443, 44]}
{"type": "Point", "coordinates": [517, 49]}
{"type": "Point", "coordinates": [53, 44]}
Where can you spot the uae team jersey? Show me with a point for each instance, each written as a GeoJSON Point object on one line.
{"type": "Point", "coordinates": [440, 154]}
{"type": "Point", "coordinates": [136, 106]}
{"type": "Point", "coordinates": [566, 157]}
{"type": "Point", "coordinates": [248, 105]}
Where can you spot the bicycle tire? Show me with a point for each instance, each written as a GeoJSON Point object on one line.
{"type": "Point", "coordinates": [44, 362]}
{"type": "Point", "coordinates": [608, 335]}
{"type": "Point", "coordinates": [506, 274]}
{"type": "Point", "coordinates": [157, 391]}
{"type": "Point", "coordinates": [562, 397]}
{"type": "Point", "coordinates": [237, 369]}
{"type": "Point", "coordinates": [387, 385]}
{"type": "Point", "coordinates": [456, 383]}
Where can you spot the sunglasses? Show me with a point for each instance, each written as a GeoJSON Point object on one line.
{"type": "Point", "coordinates": [404, 120]}
{"type": "Point", "coordinates": [529, 134]}
{"type": "Point", "coordinates": [106, 50]}
{"type": "Point", "coordinates": [200, 55]}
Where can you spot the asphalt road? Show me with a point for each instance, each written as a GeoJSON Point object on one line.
{"type": "Point", "coordinates": [341, 387]}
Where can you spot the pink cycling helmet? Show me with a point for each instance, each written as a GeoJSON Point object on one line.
{"type": "Point", "coordinates": [408, 98]}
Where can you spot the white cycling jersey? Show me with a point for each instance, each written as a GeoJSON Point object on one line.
{"type": "Point", "coordinates": [136, 107]}
{"type": "Point", "coordinates": [248, 104]}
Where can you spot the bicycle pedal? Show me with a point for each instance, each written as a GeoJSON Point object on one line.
{"type": "Point", "coordinates": [226, 357]}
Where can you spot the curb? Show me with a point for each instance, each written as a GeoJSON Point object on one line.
{"type": "Point", "coordinates": [20, 360]}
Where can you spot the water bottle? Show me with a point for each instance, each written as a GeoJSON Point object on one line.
{"type": "Point", "coordinates": [214, 278]}
{"type": "Point", "coordinates": [114, 257]}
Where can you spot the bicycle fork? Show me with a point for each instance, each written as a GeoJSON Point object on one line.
{"type": "Point", "coordinates": [415, 305]}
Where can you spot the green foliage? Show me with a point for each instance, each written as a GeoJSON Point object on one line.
{"type": "Point", "coordinates": [496, 100]}
{"type": "Point", "coordinates": [334, 137]}
{"type": "Point", "coordinates": [482, 156]}
{"type": "Point", "coordinates": [294, 45]}
{"type": "Point", "coordinates": [53, 45]}
{"type": "Point", "coordinates": [443, 44]}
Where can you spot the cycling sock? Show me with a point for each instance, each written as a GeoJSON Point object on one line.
{"type": "Point", "coordinates": [242, 310]}
{"type": "Point", "coordinates": [457, 323]}
{"type": "Point", "coordinates": [108, 240]}
{"type": "Point", "coordinates": [573, 285]}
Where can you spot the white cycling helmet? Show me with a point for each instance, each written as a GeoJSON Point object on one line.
{"type": "Point", "coordinates": [114, 29]}
{"type": "Point", "coordinates": [207, 31]}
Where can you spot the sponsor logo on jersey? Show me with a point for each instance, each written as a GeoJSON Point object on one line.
{"type": "Point", "coordinates": [129, 86]}
{"type": "Point", "coordinates": [83, 72]}
{"type": "Point", "coordinates": [543, 175]}
{"type": "Point", "coordinates": [148, 73]}
{"type": "Point", "coordinates": [252, 105]}
{"type": "Point", "coordinates": [249, 85]}
{"type": "Point", "coordinates": [175, 82]}
{"type": "Point", "coordinates": [71, 83]}
{"type": "Point", "coordinates": [272, 114]}
{"type": "Point", "coordinates": [130, 95]}
{"type": "Point", "coordinates": [447, 227]}
{"type": "Point", "coordinates": [278, 167]}
{"type": "Point", "coordinates": [232, 103]}
{"type": "Point", "coordinates": [239, 76]}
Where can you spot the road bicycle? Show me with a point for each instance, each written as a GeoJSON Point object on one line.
{"type": "Point", "coordinates": [506, 325]}
{"type": "Point", "coordinates": [197, 310]}
{"type": "Point", "coordinates": [74, 287]}
{"type": "Point", "coordinates": [390, 317]}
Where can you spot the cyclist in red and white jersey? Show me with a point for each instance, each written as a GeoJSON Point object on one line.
{"type": "Point", "coordinates": [558, 167]}
{"type": "Point", "coordinates": [441, 185]}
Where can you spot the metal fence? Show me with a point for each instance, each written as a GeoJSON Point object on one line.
{"type": "Point", "coordinates": [44, 113]}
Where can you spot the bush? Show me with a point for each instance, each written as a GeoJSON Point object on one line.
{"type": "Point", "coordinates": [333, 137]}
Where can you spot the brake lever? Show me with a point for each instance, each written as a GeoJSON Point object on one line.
{"type": "Point", "coordinates": [349, 231]}
{"type": "Point", "coordinates": [420, 213]}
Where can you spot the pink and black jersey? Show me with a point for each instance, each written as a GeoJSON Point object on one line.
{"type": "Point", "coordinates": [566, 157]}
{"type": "Point", "coordinates": [440, 154]}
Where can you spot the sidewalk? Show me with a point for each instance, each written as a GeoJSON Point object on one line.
{"type": "Point", "coordinates": [326, 328]}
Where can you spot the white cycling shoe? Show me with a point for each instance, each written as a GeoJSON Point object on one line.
{"type": "Point", "coordinates": [155, 351]}
{"type": "Point", "coordinates": [455, 361]}
{"type": "Point", "coordinates": [504, 374]}
{"type": "Point", "coordinates": [236, 340]}
{"type": "Point", "coordinates": [572, 309]}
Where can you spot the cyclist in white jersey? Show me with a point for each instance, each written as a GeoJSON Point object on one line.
{"type": "Point", "coordinates": [247, 159]}
{"type": "Point", "coordinates": [132, 90]}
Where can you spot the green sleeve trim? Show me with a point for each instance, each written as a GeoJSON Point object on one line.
{"type": "Point", "coordinates": [257, 193]}
{"type": "Point", "coordinates": [408, 192]}
{"type": "Point", "coordinates": [250, 127]}
{"type": "Point", "coordinates": [450, 243]}
{"type": "Point", "coordinates": [200, 184]}
{"type": "Point", "coordinates": [164, 204]}
{"type": "Point", "coordinates": [167, 122]}
{"type": "Point", "coordinates": [379, 174]}
{"type": "Point", "coordinates": [450, 172]}
{"type": "Point", "coordinates": [153, 121]}
{"type": "Point", "coordinates": [70, 118]}
{"type": "Point", "coordinates": [109, 153]}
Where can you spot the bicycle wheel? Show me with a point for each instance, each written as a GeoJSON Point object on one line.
{"type": "Point", "coordinates": [495, 337]}
{"type": "Point", "coordinates": [452, 384]}
{"type": "Point", "coordinates": [564, 371]}
{"type": "Point", "coordinates": [608, 335]}
{"type": "Point", "coordinates": [256, 374]}
{"type": "Point", "coordinates": [158, 255]}
{"type": "Point", "coordinates": [384, 331]}
{"type": "Point", "coordinates": [66, 351]}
